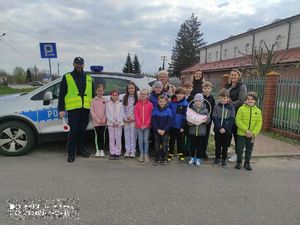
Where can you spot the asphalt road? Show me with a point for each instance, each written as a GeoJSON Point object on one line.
{"type": "Point", "coordinates": [128, 192]}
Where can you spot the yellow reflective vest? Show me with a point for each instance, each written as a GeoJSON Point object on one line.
{"type": "Point", "coordinates": [72, 99]}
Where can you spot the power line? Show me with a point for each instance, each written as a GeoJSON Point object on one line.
{"type": "Point", "coordinates": [16, 50]}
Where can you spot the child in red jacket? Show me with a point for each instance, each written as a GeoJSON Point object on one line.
{"type": "Point", "coordinates": [142, 115]}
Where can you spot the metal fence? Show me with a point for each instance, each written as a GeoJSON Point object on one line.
{"type": "Point", "coordinates": [256, 84]}
{"type": "Point", "coordinates": [287, 108]}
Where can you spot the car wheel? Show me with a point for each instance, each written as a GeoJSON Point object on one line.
{"type": "Point", "coordinates": [16, 138]}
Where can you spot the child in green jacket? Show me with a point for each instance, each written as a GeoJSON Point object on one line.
{"type": "Point", "coordinates": [249, 123]}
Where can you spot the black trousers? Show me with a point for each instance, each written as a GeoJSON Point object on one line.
{"type": "Point", "coordinates": [160, 153]}
{"type": "Point", "coordinates": [176, 135]}
{"type": "Point", "coordinates": [197, 146]}
{"type": "Point", "coordinates": [222, 141]}
{"type": "Point", "coordinates": [234, 135]}
{"type": "Point", "coordinates": [78, 120]}
{"type": "Point", "coordinates": [99, 137]}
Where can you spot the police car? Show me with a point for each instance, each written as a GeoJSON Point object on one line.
{"type": "Point", "coordinates": [29, 118]}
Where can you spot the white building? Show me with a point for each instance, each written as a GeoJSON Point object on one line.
{"type": "Point", "coordinates": [226, 54]}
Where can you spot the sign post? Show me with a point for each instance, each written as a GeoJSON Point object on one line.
{"type": "Point", "coordinates": [48, 50]}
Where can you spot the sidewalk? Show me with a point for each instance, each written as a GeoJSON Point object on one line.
{"type": "Point", "coordinates": [265, 146]}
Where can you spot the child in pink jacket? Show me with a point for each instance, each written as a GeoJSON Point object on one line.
{"type": "Point", "coordinates": [98, 111]}
{"type": "Point", "coordinates": [114, 115]}
{"type": "Point", "coordinates": [142, 116]}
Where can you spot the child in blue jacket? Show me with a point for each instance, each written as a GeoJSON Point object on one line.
{"type": "Point", "coordinates": [161, 120]}
{"type": "Point", "coordinates": [178, 105]}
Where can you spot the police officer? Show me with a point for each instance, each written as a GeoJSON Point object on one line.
{"type": "Point", "coordinates": [76, 92]}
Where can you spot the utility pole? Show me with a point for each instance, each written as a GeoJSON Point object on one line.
{"type": "Point", "coordinates": [58, 69]}
{"type": "Point", "coordinates": [163, 58]}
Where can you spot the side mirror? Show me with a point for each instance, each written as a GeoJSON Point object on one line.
{"type": "Point", "coordinates": [48, 96]}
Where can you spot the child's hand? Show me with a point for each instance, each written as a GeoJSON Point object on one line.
{"type": "Point", "coordinates": [162, 132]}
{"type": "Point", "coordinates": [98, 120]}
{"type": "Point", "coordinates": [249, 134]}
{"type": "Point", "coordinates": [181, 130]}
{"type": "Point", "coordinates": [222, 130]}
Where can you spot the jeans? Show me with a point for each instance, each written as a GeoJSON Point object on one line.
{"type": "Point", "coordinates": [143, 139]}
{"type": "Point", "coordinates": [160, 153]}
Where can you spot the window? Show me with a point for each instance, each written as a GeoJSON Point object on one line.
{"type": "Point", "coordinates": [111, 83]}
{"type": "Point", "coordinates": [225, 53]}
{"type": "Point", "coordinates": [247, 48]}
{"type": "Point", "coordinates": [235, 53]}
{"type": "Point", "coordinates": [54, 89]}
{"type": "Point", "coordinates": [261, 44]}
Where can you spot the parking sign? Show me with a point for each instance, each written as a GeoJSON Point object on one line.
{"type": "Point", "coordinates": [48, 50]}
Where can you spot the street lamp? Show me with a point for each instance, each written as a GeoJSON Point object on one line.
{"type": "Point", "coordinates": [163, 58]}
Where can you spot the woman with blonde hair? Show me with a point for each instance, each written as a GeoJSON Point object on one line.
{"type": "Point", "coordinates": [238, 91]}
{"type": "Point", "coordinates": [168, 89]}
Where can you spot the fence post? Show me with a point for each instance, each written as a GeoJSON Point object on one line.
{"type": "Point", "coordinates": [269, 99]}
{"type": "Point", "coordinates": [225, 80]}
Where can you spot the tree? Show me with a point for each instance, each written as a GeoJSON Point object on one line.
{"type": "Point", "coordinates": [265, 59]}
{"type": "Point", "coordinates": [28, 76]}
{"type": "Point", "coordinates": [187, 45]}
{"type": "Point", "coordinates": [19, 75]}
{"type": "Point", "coordinates": [128, 68]}
{"type": "Point", "coordinates": [136, 65]}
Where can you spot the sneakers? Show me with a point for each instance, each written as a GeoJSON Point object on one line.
{"type": "Point", "coordinates": [238, 166]}
{"type": "Point", "coordinates": [146, 159]}
{"type": "Point", "coordinates": [198, 162]}
{"type": "Point", "coordinates": [180, 156]}
{"type": "Point", "coordinates": [224, 163]}
{"type": "Point", "coordinates": [97, 153]}
{"type": "Point", "coordinates": [155, 163]}
{"type": "Point", "coordinates": [192, 161]}
{"type": "Point", "coordinates": [132, 155]}
{"type": "Point", "coordinates": [216, 162]}
{"type": "Point", "coordinates": [141, 158]}
{"type": "Point", "coordinates": [126, 155]}
{"type": "Point", "coordinates": [111, 157]}
{"type": "Point", "coordinates": [102, 153]}
{"type": "Point", "coordinates": [170, 157]}
{"type": "Point", "coordinates": [233, 158]}
{"type": "Point", "coordinates": [247, 166]}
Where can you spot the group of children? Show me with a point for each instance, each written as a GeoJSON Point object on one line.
{"type": "Point", "coordinates": [162, 115]}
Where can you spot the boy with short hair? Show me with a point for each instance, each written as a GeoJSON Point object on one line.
{"type": "Point", "coordinates": [207, 89]}
{"type": "Point", "coordinates": [178, 105]}
{"type": "Point", "coordinates": [161, 120]}
{"type": "Point", "coordinates": [188, 88]}
{"type": "Point", "coordinates": [249, 123]}
{"type": "Point", "coordinates": [223, 117]}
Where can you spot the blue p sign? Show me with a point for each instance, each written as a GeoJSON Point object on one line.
{"type": "Point", "coordinates": [48, 50]}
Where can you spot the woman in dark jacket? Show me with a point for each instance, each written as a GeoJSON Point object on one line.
{"type": "Point", "coordinates": [238, 92]}
{"type": "Point", "coordinates": [198, 80]}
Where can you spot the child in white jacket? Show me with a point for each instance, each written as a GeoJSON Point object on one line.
{"type": "Point", "coordinates": [114, 116]}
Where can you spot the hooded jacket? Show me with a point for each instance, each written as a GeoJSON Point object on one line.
{"type": "Point", "coordinates": [223, 117]}
{"type": "Point", "coordinates": [199, 130]}
{"type": "Point", "coordinates": [142, 114]}
{"type": "Point", "coordinates": [161, 118]}
{"type": "Point", "coordinates": [178, 112]}
{"type": "Point", "coordinates": [114, 113]}
{"type": "Point", "coordinates": [98, 111]}
{"type": "Point", "coordinates": [248, 118]}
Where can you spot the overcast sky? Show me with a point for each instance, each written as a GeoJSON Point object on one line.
{"type": "Point", "coordinates": [104, 31]}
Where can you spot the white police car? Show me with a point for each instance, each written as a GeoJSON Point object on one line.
{"type": "Point", "coordinates": [26, 119]}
